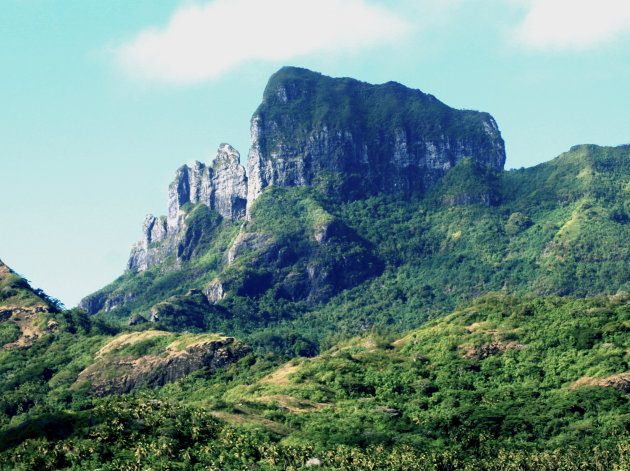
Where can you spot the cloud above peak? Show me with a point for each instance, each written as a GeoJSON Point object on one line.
{"type": "Point", "coordinates": [205, 41]}
{"type": "Point", "coordinates": [573, 24]}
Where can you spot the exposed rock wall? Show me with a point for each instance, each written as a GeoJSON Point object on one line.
{"type": "Point", "coordinates": [367, 138]}
{"type": "Point", "coordinates": [221, 186]}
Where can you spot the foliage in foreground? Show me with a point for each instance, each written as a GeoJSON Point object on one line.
{"type": "Point", "coordinates": [130, 434]}
{"type": "Point", "coordinates": [495, 385]}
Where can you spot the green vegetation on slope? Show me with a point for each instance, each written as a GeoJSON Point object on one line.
{"type": "Point", "coordinates": [521, 373]}
{"type": "Point", "coordinates": [325, 268]}
{"type": "Point", "coordinates": [193, 266]}
{"type": "Point", "coordinates": [312, 100]}
{"type": "Point", "coordinates": [503, 383]}
{"type": "Point", "coordinates": [15, 291]}
{"type": "Point", "coordinates": [24, 311]}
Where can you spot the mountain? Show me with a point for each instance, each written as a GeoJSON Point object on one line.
{"type": "Point", "coordinates": [374, 292]}
{"type": "Point", "coordinates": [308, 262]}
{"type": "Point", "coordinates": [318, 144]}
{"type": "Point", "coordinates": [368, 204]}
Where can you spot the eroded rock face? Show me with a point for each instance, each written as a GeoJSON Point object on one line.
{"type": "Point", "coordinates": [250, 242]}
{"type": "Point", "coordinates": [105, 301]}
{"type": "Point", "coordinates": [157, 370]}
{"type": "Point", "coordinates": [214, 291]}
{"type": "Point", "coordinates": [222, 187]}
{"type": "Point", "coordinates": [367, 138]}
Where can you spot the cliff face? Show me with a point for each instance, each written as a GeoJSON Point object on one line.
{"type": "Point", "coordinates": [355, 138]}
{"type": "Point", "coordinates": [221, 187]}
{"type": "Point", "coordinates": [362, 139]}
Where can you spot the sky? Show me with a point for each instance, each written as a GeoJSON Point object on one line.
{"type": "Point", "coordinates": [101, 101]}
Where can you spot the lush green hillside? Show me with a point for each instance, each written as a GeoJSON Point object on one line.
{"type": "Point", "coordinates": [522, 373]}
{"type": "Point", "coordinates": [310, 266]}
{"type": "Point", "coordinates": [24, 311]}
{"type": "Point", "coordinates": [503, 383]}
{"type": "Point", "coordinates": [558, 228]}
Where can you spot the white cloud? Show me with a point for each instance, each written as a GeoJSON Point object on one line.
{"type": "Point", "coordinates": [203, 41]}
{"type": "Point", "coordinates": [573, 24]}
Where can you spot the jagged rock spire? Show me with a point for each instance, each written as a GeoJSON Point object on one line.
{"type": "Point", "coordinates": [222, 186]}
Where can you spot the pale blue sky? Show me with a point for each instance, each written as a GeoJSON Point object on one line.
{"type": "Point", "coordinates": [103, 100]}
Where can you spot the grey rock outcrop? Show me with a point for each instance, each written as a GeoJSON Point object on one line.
{"type": "Point", "coordinates": [151, 248]}
{"type": "Point", "coordinates": [366, 138]}
{"type": "Point", "coordinates": [249, 242]}
{"type": "Point", "coordinates": [214, 291]}
{"type": "Point", "coordinates": [221, 186]}
{"type": "Point", "coordinates": [117, 300]}
{"type": "Point", "coordinates": [105, 301]}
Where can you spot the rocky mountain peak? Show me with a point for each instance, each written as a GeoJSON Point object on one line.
{"type": "Point", "coordinates": [227, 156]}
{"type": "Point", "coordinates": [363, 138]}
{"type": "Point", "coordinates": [222, 186]}
{"type": "Point", "coordinates": [349, 138]}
